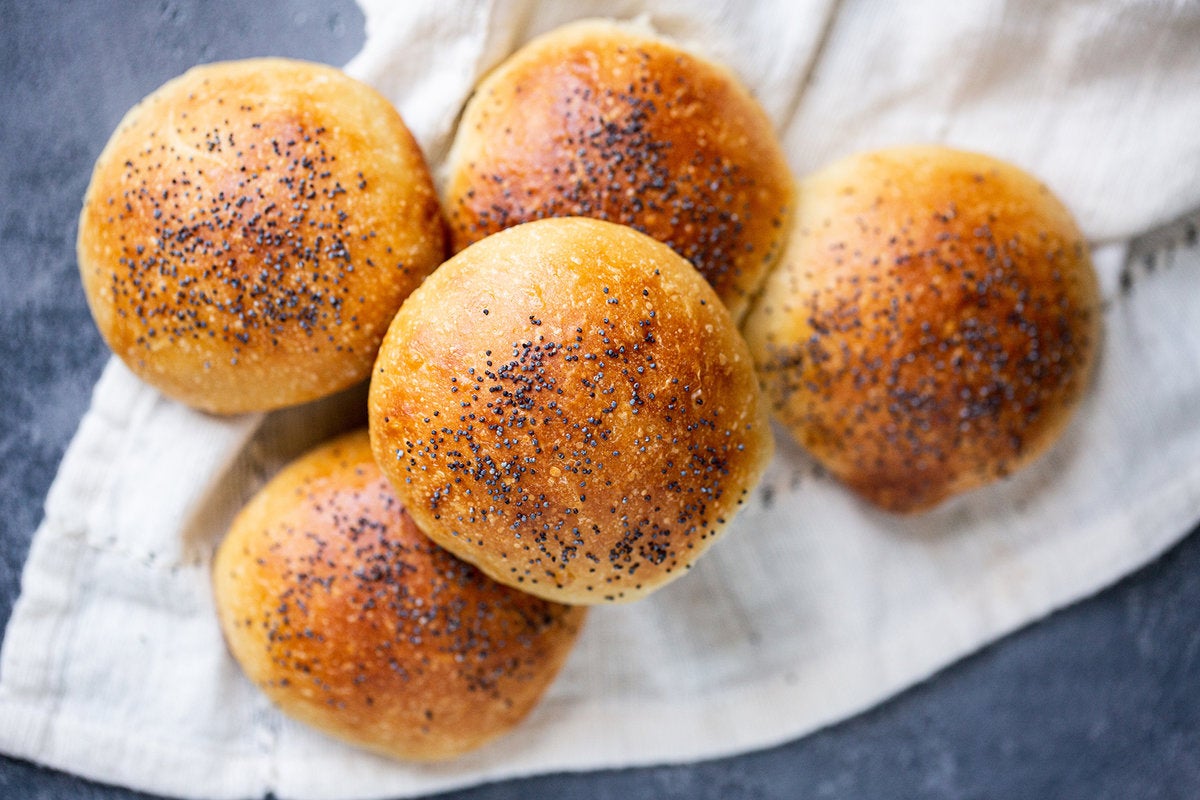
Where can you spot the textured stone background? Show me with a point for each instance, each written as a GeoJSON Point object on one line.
{"type": "Point", "coordinates": [1099, 701]}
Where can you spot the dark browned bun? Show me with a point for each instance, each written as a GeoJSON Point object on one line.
{"type": "Point", "coordinates": [351, 620]}
{"type": "Point", "coordinates": [250, 229]}
{"type": "Point", "coordinates": [931, 325]}
{"type": "Point", "coordinates": [603, 120]}
{"type": "Point", "coordinates": [567, 405]}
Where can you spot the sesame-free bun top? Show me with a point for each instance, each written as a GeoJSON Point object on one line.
{"type": "Point", "coordinates": [250, 229]}
{"type": "Point", "coordinates": [567, 405]}
{"type": "Point", "coordinates": [609, 121]}
{"type": "Point", "coordinates": [352, 621]}
{"type": "Point", "coordinates": [932, 324]}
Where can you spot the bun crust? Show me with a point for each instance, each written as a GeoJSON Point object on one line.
{"type": "Point", "coordinates": [350, 620]}
{"type": "Point", "coordinates": [250, 229]}
{"type": "Point", "coordinates": [932, 324]}
{"type": "Point", "coordinates": [600, 120]}
{"type": "Point", "coordinates": [567, 405]}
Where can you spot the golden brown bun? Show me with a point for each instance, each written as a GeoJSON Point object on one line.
{"type": "Point", "coordinates": [354, 622]}
{"type": "Point", "coordinates": [567, 405]}
{"type": "Point", "coordinates": [250, 229]}
{"type": "Point", "coordinates": [601, 120]}
{"type": "Point", "coordinates": [931, 325]}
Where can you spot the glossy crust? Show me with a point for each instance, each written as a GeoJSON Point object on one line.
{"type": "Point", "coordinates": [568, 405]}
{"type": "Point", "coordinates": [352, 621]}
{"type": "Point", "coordinates": [251, 228]}
{"type": "Point", "coordinates": [605, 121]}
{"type": "Point", "coordinates": [932, 324]}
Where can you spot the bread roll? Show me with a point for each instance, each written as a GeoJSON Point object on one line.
{"type": "Point", "coordinates": [567, 405]}
{"type": "Point", "coordinates": [352, 621]}
{"type": "Point", "coordinates": [250, 229]}
{"type": "Point", "coordinates": [932, 324]}
{"type": "Point", "coordinates": [602, 120]}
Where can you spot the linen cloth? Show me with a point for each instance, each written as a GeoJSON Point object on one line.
{"type": "Point", "coordinates": [814, 606]}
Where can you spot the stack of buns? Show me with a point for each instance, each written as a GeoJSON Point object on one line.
{"type": "Point", "coordinates": [566, 411]}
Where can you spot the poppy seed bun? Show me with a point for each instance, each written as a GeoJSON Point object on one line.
{"type": "Point", "coordinates": [567, 405]}
{"type": "Point", "coordinates": [250, 229]}
{"type": "Point", "coordinates": [602, 120]}
{"type": "Point", "coordinates": [352, 621]}
{"type": "Point", "coordinates": [931, 325]}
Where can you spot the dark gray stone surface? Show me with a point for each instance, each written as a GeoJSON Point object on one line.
{"type": "Point", "coordinates": [1099, 701]}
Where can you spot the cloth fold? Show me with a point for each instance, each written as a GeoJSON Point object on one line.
{"type": "Point", "coordinates": [814, 606]}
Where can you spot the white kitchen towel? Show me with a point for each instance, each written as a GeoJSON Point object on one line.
{"type": "Point", "coordinates": [814, 606]}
